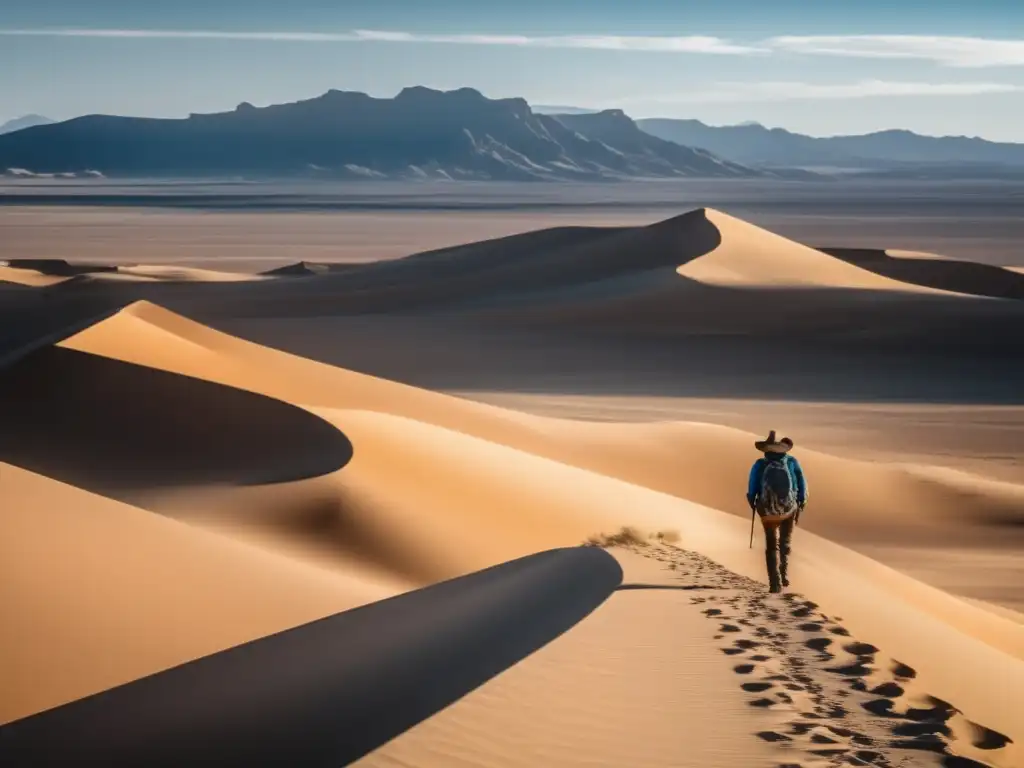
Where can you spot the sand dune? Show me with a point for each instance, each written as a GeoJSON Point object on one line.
{"type": "Point", "coordinates": [597, 684]}
{"type": "Point", "coordinates": [897, 253]}
{"type": "Point", "coordinates": [608, 271]}
{"type": "Point", "coordinates": [327, 692]}
{"type": "Point", "coordinates": [602, 696]}
{"type": "Point", "coordinates": [28, 277]}
{"type": "Point", "coordinates": [692, 274]}
{"type": "Point", "coordinates": [383, 511]}
{"type": "Point", "coordinates": [184, 274]}
{"type": "Point", "coordinates": [626, 282]}
{"type": "Point", "coordinates": [42, 273]}
{"type": "Point", "coordinates": [749, 256]}
{"type": "Point", "coordinates": [693, 461]}
{"type": "Point", "coordinates": [705, 245]}
{"type": "Point", "coordinates": [308, 269]}
{"type": "Point", "coordinates": [156, 273]}
{"type": "Point", "coordinates": [55, 268]}
{"type": "Point", "coordinates": [851, 584]}
{"type": "Point", "coordinates": [119, 425]}
{"type": "Point", "coordinates": [710, 242]}
{"type": "Point", "coordinates": [935, 271]}
{"type": "Point", "coordinates": [181, 504]}
{"type": "Point", "coordinates": [98, 593]}
{"type": "Point", "coordinates": [689, 273]}
{"type": "Point", "coordinates": [690, 461]}
{"type": "Point", "coordinates": [507, 266]}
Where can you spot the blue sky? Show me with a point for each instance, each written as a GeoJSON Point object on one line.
{"type": "Point", "coordinates": [817, 66]}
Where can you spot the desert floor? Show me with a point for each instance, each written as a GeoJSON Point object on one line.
{"type": "Point", "coordinates": [263, 476]}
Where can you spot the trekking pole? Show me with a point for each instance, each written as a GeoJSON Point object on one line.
{"type": "Point", "coordinates": [753, 513]}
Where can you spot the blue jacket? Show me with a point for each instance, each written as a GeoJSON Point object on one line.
{"type": "Point", "coordinates": [795, 471]}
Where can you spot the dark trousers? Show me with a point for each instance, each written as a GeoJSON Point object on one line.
{"type": "Point", "coordinates": [776, 542]}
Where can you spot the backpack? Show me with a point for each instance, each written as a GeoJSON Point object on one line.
{"type": "Point", "coordinates": [777, 497]}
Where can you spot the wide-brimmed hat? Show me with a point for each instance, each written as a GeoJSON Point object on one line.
{"type": "Point", "coordinates": [771, 445]}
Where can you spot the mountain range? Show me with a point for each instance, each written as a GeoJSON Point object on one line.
{"type": "Point", "coordinates": [890, 152]}
{"type": "Point", "coordinates": [420, 133]}
{"type": "Point", "coordinates": [461, 134]}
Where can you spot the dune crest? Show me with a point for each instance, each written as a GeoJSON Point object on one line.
{"type": "Point", "coordinates": [749, 256]}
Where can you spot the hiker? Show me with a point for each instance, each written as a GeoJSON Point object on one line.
{"type": "Point", "coordinates": [777, 492]}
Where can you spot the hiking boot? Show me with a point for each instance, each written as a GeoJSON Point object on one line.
{"type": "Point", "coordinates": [785, 581]}
{"type": "Point", "coordinates": [774, 589]}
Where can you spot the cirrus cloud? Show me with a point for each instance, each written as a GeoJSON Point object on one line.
{"type": "Point", "coordinates": [950, 51]}
{"type": "Point", "coordinates": [669, 44]}
{"type": "Point", "coordinates": [685, 44]}
{"type": "Point", "coordinates": [946, 50]}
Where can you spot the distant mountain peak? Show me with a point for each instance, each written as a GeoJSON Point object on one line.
{"type": "Point", "coordinates": [606, 117]}
{"type": "Point", "coordinates": [893, 132]}
{"type": "Point", "coordinates": [334, 95]}
{"type": "Point", "coordinates": [32, 118]}
{"type": "Point", "coordinates": [423, 92]}
{"type": "Point", "coordinates": [25, 121]}
{"type": "Point", "coordinates": [413, 91]}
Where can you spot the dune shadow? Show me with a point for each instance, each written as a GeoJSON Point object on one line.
{"type": "Point", "coordinates": [328, 692]}
{"type": "Point", "coordinates": [59, 267]}
{"type": "Point", "coordinates": [109, 426]}
{"type": "Point", "coordinates": [39, 317]}
{"type": "Point", "coordinates": [945, 274]}
{"type": "Point", "coordinates": [952, 355]}
{"type": "Point", "coordinates": [475, 274]}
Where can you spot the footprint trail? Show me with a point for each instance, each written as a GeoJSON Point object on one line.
{"type": "Point", "coordinates": [840, 701]}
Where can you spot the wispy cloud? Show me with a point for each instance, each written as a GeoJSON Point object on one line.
{"type": "Point", "coordinates": [950, 51]}
{"type": "Point", "coordinates": [689, 44]}
{"type": "Point", "coordinates": [684, 44]}
{"type": "Point", "coordinates": [946, 50]}
{"type": "Point", "coordinates": [185, 34]}
{"type": "Point", "coordinates": [727, 92]}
